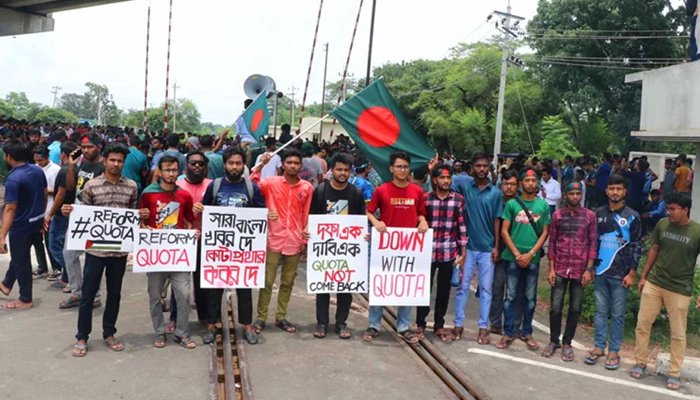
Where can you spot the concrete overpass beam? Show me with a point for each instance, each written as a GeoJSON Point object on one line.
{"type": "Point", "coordinates": [16, 23]}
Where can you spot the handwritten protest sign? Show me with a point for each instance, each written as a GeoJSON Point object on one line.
{"type": "Point", "coordinates": [102, 229]}
{"type": "Point", "coordinates": [337, 254]}
{"type": "Point", "coordinates": [399, 271]}
{"type": "Point", "coordinates": [165, 250]}
{"type": "Point", "coordinates": [234, 247]}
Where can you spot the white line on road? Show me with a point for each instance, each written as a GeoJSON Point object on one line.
{"type": "Point", "coordinates": [545, 329]}
{"type": "Point", "coordinates": [665, 392]}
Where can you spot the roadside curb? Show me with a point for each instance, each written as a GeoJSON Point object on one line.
{"type": "Point", "coordinates": [690, 369]}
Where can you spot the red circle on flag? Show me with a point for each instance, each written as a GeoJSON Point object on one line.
{"type": "Point", "coordinates": [257, 119]}
{"type": "Point", "coordinates": [378, 127]}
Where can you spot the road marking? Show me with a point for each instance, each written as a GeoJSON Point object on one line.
{"type": "Point", "coordinates": [545, 329]}
{"type": "Point", "coordinates": [584, 374]}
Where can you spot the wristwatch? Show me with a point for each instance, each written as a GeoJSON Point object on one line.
{"type": "Point", "coordinates": [532, 253]}
{"type": "Point", "coordinates": [591, 269]}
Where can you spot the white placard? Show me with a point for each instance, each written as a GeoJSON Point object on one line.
{"type": "Point", "coordinates": [165, 250]}
{"type": "Point", "coordinates": [234, 247]}
{"type": "Point", "coordinates": [399, 270]}
{"type": "Point", "coordinates": [102, 229]}
{"type": "Point", "coordinates": [337, 254]}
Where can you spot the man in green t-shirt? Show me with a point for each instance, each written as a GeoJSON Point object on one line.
{"type": "Point", "coordinates": [523, 244]}
{"type": "Point", "coordinates": [668, 280]}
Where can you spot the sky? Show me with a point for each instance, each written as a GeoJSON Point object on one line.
{"type": "Point", "coordinates": [217, 44]}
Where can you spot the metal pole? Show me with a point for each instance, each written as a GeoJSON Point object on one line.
{"type": "Point", "coordinates": [502, 92]}
{"type": "Point", "coordinates": [274, 117]}
{"type": "Point", "coordinates": [145, 87]}
{"type": "Point", "coordinates": [167, 69]}
{"type": "Point", "coordinates": [323, 96]}
{"type": "Point", "coordinates": [311, 61]}
{"type": "Point", "coordinates": [175, 86]}
{"type": "Point", "coordinates": [371, 38]}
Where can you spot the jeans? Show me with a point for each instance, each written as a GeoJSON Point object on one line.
{"type": "Point", "coordinates": [518, 278]}
{"type": "Point", "coordinates": [180, 283]}
{"type": "Point", "coordinates": [482, 259]}
{"type": "Point", "coordinates": [610, 300]}
{"type": "Point", "coordinates": [113, 268]}
{"type": "Point", "coordinates": [200, 295]}
{"type": "Point", "coordinates": [57, 238]}
{"type": "Point", "coordinates": [20, 269]}
{"type": "Point", "coordinates": [557, 301]}
{"type": "Point", "coordinates": [38, 244]}
{"type": "Point", "coordinates": [499, 292]}
{"type": "Point", "coordinates": [442, 294]}
{"type": "Point", "coordinates": [342, 309]}
{"type": "Point", "coordinates": [403, 320]}
{"type": "Point", "coordinates": [289, 273]}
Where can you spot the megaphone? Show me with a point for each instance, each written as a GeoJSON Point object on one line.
{"type": "Point", "coordinates": [256, 84]}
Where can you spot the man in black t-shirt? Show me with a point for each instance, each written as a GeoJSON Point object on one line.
{"type": "Point", "coordinates": [339, 198]}
{"type": "Point", "coordinates": [75, 180]}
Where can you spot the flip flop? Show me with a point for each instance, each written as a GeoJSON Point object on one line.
{"type": "Point", "coordinates": [81, 350]}
{"type": "Point", "coordinates": [567, 355]}
{"type": "Point", "coordinates": [114, 344]}
{"type": "Point", "coordinates": [592, 357]}
{"type": "Point", "coordinates": [12, 305]}
{"type": "Point", "coordinates": [638, 372]}
{"type": "Point", "coordinates": [673, 383]}
{"type": "Point", "coordinates": [370, 334]}
{"type": "Point", "coordinates": [286, 326]}
{"type": "Point", "coordinates": [69, 303]}
{"type": "Point", "coordinates": [615, 365]}
{"type": "Point", "coordinates": [550, 350]}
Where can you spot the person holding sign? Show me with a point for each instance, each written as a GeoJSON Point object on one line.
{"type": "Point", "coordinates": [401, 205]}
{"type": "Point", "coordinates": [525, 229]}
{"type": "Point", "coordinates": [288, 198]}
{"type": "Point", "coordinates": [110, 189]}
{"type": "Point", "coordinates": [445, 215]}
{"type": "Point", "coordinates": [336, 197]}
{"type": "Point", "coordinates": [22, 220]}
{"type": "Point", "coordinates": [231, 191]}
{"type": "Point", "coordinates": [169, 207]}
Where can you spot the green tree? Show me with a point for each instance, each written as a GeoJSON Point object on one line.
{"type": "Point", "coordinates": [21, 107]}
{"type": "Point", "coordinates": [54, 115]}
{"type": "Point", "coordinates": [556, 142]}
{"type": "Point", "coordinates": [6, 110]}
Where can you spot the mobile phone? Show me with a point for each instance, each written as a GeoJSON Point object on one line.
{"type": "Point", "coordinates": [77, 154]}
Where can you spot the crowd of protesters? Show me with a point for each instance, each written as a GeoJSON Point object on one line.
{"type": "Point", "coordinates": [500, 222]}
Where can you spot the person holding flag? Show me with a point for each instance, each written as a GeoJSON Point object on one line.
{"type": "Point", "coordinates": [254, 123]}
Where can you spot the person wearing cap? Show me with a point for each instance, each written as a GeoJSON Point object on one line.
{"type": "Point", "coordinates": [572, 254]}
{"type": "Point", "coordinates": [524, 240]}
{"type": "Point", "coordinates": [274, 166]}
{"type": "Point", "coordinates": [192, 143]}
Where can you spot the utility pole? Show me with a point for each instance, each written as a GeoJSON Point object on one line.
{"type": "Point", "coordinates": [175, 87]}
{"type": "Point", "coordinates": [291, 120]}
{"type": "Point", "coordinates": [55, 94]}
{"type": "Point", "coordinates": [507, 34]}
{"type": "Point", "coordinates": [323, 96]}
{"type": "Point", "coordinates": [345, 86]}
{"type": "Point", "coordinates": [371, 37]}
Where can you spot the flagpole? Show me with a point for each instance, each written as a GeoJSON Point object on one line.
{"type": "Point", "coordinates": [296, 137]}
{"type": "Point", "coordinates": [264, 92]}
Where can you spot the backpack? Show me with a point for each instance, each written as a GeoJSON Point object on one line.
{"type": "Point", "coordinates": [248, 186]}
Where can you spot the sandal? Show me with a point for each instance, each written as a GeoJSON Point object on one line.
{"type": "Point", "coordinates": [185, 342]}
{"type": "Point", "coordinates": [420, 332]}
{"type": "Point", "coordinates": [638, 371]}
{"type": "Point", "coordinates": [444, 334]}
{"type": "Point", "coordinates": [496, 331]}
{"type": "Point", "coordinates": [567, 354]}
{"type": "Point", "coordinates": [79, 350]}
{"type": "Point", "coordinates": [114, 344]}
{"type": "Point", "coordinates": [67, 290]}
{"type": "Point", "coordinates": [592, 356]}
{"type": "Point", "coordinates": [612, 363]}
{"type": "Point", "coordinates": [170, 329]}
{"type": "Point", "coordinates": [550, 349]}
{"type": "Point", "coordinates": [286, 326]}
{"type": "Point", "coordinates": [409, 336]}
{"type": "Point", "coordinates": [673, 383]}
{"type": "Point", "coordinates": [505, 342]}
{"type": "Point", "coordinates": [457, 332]}
{"type": "Point", "coordinates": [343, 332]}
{"type": "Point", "coordinates": [484, 337]}
{"type": "Point", "coordinates": [159, 341]}
{"type": "Point", "coordinates": [321, 330]}
{"type": "Point", "coordinates": [370, 334]}
{"type": "Point", "coordinates": [259, 325]}
{"type": "Point", "coordinates": [16, 305]}
{"type": "Point", "coordinates": [6, 293]}
{"type": "Point", "coordinates": [58, 284]}
{"type": "Point", "coordinates": [250, 336]}
{"type": "Point", "coordinates": [70, 302]}
{"type": "Point", "coordinates": [530, 342]}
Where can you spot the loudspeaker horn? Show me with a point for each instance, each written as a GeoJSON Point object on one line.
{"type": "Point", "coordinates": [256, 84]}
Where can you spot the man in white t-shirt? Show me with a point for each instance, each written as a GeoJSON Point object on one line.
{"type": "Point", "coordinates": [41, 158]}
{"type": "Point", "coordinates": [550, 190]}
{"type": "Point", "coordinates": [274, 167]}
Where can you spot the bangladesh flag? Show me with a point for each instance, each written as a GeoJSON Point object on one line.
{"type": "Point", "coordinates": [374, 121]}
{"type": "Point", "coordinates": [255, 120]}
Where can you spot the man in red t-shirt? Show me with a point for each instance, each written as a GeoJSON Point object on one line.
{"type": "Point", "coordinates": [170, 208]}
{"type": "Point", "coordinates": [400, 205]}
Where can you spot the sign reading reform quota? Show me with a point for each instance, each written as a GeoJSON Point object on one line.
{"type": "Point", "coordinates": [400, 267]}
{"type": "Point", "coordinates": [234, 247]}
{"type": "Point", "coordinates": [102, 229]}
{"type": "Point", "coordinates": [337, 254]}
{"type": "Point", "coordinates": [165, 250]}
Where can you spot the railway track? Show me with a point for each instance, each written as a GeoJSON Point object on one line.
{"type": "Point", "coordinates": [231, 369]}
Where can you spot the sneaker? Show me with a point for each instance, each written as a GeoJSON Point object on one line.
{"type": "Point", "coordinates": [38, 274]}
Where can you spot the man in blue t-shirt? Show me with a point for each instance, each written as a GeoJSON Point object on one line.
{"type": "Point", "coordinates": [23, 220]}
{"type": "Point", "coordinates": [601, 182]}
